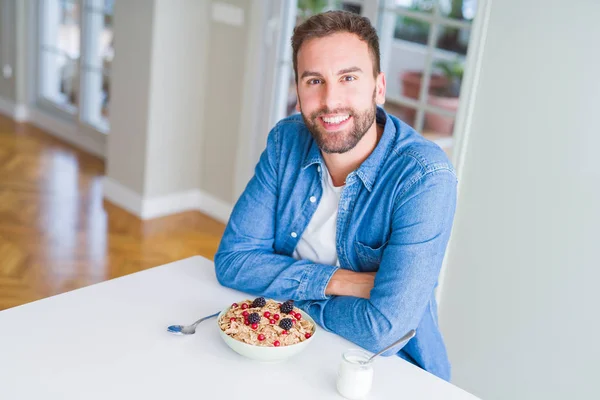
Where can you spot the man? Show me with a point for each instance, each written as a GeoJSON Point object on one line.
{"type": "Point", "coordinates": [349, 211]}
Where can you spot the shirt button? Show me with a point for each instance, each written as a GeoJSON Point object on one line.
{"type": "Point", "coordinates": [319, 169]}
{"type": "Point", "coordinates": [294, 234]}
{"type": "Point", "coordinates": [313, 199]}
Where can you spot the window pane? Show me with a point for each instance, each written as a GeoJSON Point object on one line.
{"type": "Point", "coordinates": [458, 9]}
{"type": "Point", "coordinates": [415, 5]}
{"type": "Point", "coordinates": [454, 39]}
{"type": "Point", "coordinates": [308, 8]}
{"type": "Point", "coordinates": [59, 52]}
{"type": "Point", "coordinates": [352, 6]}
{"type": "Point", "coordinates": [411, 29]}
{"type": "Point", "coordinates": [60, 78]}
{"type": "Point", "coordinates": [68, 30]}
{"type": "Point", "coordinates": [99, 17]}
{"type": "Point", "coordinates": [99, 56]}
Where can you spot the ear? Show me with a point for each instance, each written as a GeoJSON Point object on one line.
{"type": "Point", "coordinates": [380, 89]}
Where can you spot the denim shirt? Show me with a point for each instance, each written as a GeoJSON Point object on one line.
{"type": "Point", "coordinates": [394, 217]}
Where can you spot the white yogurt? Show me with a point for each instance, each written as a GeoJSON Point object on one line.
{"type": "Point", "coordinates": [354, 379]}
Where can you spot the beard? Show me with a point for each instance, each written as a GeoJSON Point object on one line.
{"type": "Point", "coordinates": [340, 141]}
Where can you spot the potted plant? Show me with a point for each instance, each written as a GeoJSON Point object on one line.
{"type": "Point", "coordinates": [446, 96]}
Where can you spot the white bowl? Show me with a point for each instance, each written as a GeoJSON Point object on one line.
{"type": "Point", "coordinates": [263, 353]}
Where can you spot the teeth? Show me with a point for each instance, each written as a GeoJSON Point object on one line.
{"type": "Point", "coordinates": [336, 120]}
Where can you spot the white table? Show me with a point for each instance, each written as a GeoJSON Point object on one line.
{"type": "Point", "coordinates": [108, 341]}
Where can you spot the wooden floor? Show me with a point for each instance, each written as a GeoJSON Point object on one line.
{"type": "Point", "coordinates": [56, 232]}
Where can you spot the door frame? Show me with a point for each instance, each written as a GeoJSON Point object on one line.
{"type": "Point", "coordinates": [464, 116]}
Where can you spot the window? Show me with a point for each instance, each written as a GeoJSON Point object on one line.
{"type": "Point", "coordinates": [426, 61]}
{"type": "Point", "coordinates": [97, 60]}
{"type": "Point", "coordinates": [59, 53]}
{"type": "Point", "coordinates": [76, 52]}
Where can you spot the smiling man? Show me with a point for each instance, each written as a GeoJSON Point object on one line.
{"type": "Point", "coordinates": [350, 210]}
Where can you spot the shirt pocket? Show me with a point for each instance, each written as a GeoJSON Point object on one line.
{"type": "Point", "coordinates": [369, 257]}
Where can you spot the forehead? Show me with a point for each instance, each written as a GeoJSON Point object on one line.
{"type": "Point", "coordinates": [335, 52]}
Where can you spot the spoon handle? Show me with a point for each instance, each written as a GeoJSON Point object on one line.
{"type": "Point", "coordinates": [404, 338]}
{"type": "Point", "coordinates": [205, 318]}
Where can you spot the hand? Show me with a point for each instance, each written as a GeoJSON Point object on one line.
{"type": "Point", "coordinates": [349, 283]}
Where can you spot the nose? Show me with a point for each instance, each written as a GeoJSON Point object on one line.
{"type": "Point", "coordinates": [331, 96]}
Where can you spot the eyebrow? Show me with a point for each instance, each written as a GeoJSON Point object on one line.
{"type": "Point", "coordinates": [340, 72]}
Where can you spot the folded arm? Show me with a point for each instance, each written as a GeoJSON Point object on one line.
{"type": "Point", "coordinates": [407, 274]}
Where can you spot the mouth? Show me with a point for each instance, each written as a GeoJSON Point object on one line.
{"type": "Point", "coordinates": [334, 123]}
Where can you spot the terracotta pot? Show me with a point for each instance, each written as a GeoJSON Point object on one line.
{"type": "Point", "coordinates": [440, 123]}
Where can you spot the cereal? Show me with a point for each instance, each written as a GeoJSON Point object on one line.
{"type": "Point", "coordinates": [268, 330]}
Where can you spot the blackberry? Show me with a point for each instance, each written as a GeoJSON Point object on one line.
{"type": "Point", "coordinates": [259, 302]}
{"type": "Point", "coordinates": [286, 324]}
{"type": "Point", "coordinates": [254, 318]}
{"type": "Point", "coordinates": [287, 307]}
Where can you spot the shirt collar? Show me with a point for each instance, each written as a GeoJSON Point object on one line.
{"type": "Point", "coordinates": [368, 170]}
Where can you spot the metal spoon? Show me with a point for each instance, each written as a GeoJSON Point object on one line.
{"type": "Point", "coordinates": [189, 329]}
{"type": "Point", "coordinates": [404, 338]}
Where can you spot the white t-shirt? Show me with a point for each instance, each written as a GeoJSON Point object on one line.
{"type": "Point", "coordinates": [317, 243]}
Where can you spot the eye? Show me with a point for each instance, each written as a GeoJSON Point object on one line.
{"type": "Point", "coordinates": [348, 78]}
{"type": "Point", "coordinates": [314, 81]}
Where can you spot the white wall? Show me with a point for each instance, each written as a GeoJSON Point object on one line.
{"type": "Point", "coordinates": [159, 87]}
{"type": "Point", "coordinates": [178, 85]}
{"type": "Point", "coordinates": [223, 106]}
{"type": "Point", "coordinates": [519, 304]}
{"type": "Point", "coordinates": [178, 79]}
{"type": "Point", "coordinates": [130, 93]}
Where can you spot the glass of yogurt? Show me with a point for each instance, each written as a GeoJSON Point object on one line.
{"type": "Point", "coordinates": [355, 375]}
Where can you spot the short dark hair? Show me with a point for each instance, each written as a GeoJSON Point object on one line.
{"type": "Point", "coordinates": [330, 22]}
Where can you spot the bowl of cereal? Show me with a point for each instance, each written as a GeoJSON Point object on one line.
{"type": "Point", "coordinates": [265, 330]}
